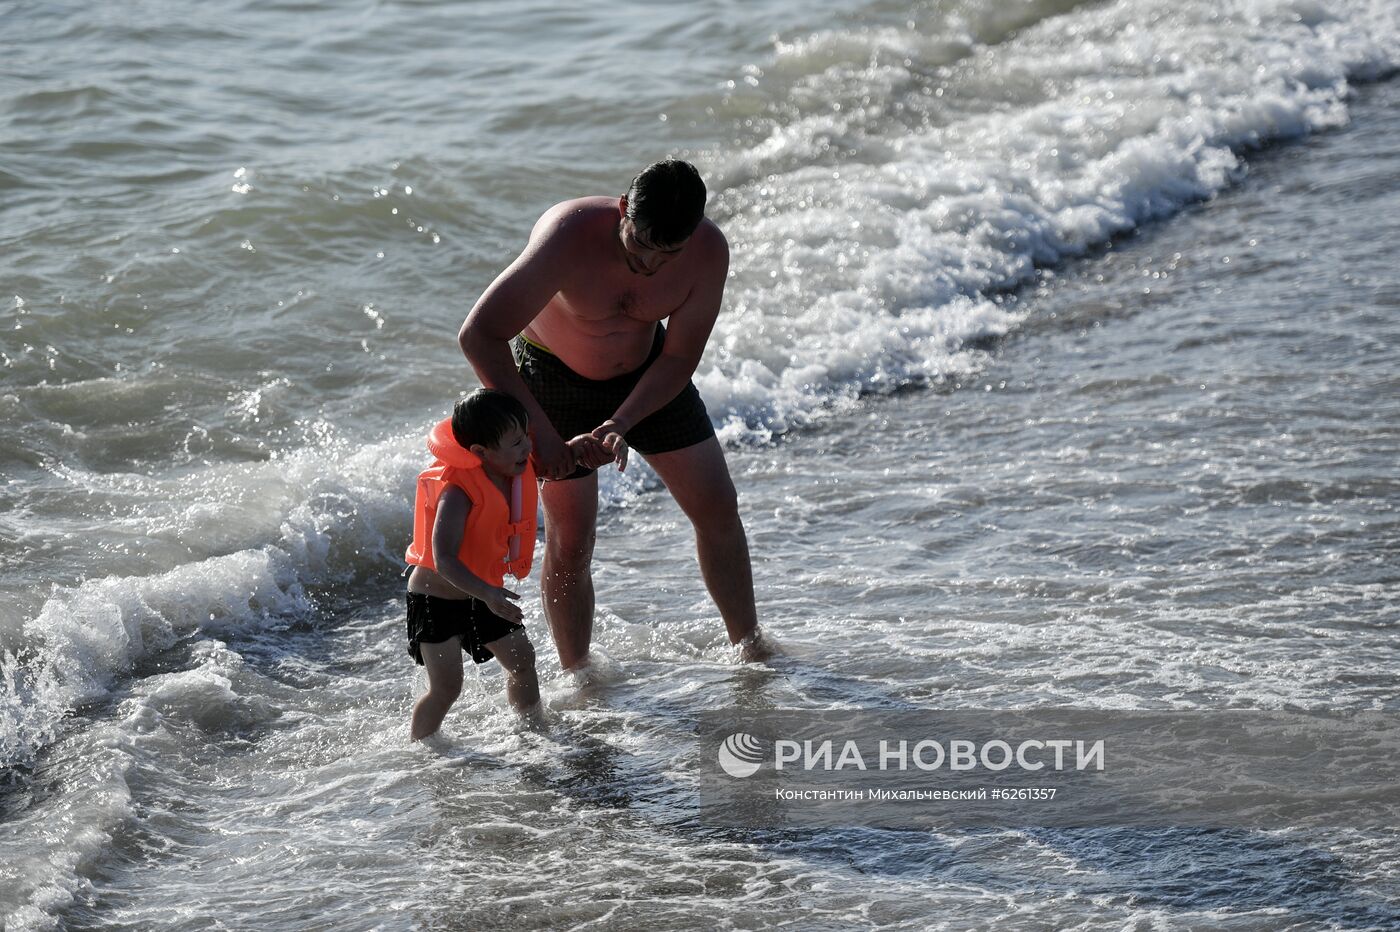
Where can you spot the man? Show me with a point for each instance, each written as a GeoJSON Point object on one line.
{"type": "Point", "coordinates": [586, 299]}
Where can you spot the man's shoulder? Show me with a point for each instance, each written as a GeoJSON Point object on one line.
{"type": "Point", "coordinates": [707, 250]}
{"type": "Point", "coordinates": [709, 236]}
{"type": "Point", "coordinates": [575, 221]}
{"type": "Point", "coordinates": [590, 204]}
{"type": "Point", "coordinates": [580, 212]}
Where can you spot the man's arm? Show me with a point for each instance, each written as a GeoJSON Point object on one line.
{"type": "Point", "coordinates": [507, 306]}
{"type": "Point", "coordinates": [687, 332]}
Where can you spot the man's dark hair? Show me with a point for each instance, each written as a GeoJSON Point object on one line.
{"type": "Point", "coordinates": [667, 200]}
{"type": "Point", "coordinates": [485, 415]}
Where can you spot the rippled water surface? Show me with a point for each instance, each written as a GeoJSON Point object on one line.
{"type": "Point", "coordinates": [1057, 368]}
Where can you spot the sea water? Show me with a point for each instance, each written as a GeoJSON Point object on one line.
{"type": "Point", "coordinates": [1057, 367]}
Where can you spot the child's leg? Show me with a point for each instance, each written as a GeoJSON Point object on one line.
{"type": "Point", "coordinates": [517, 657]}
{"type": "Point", "coordinates": [443, 662]}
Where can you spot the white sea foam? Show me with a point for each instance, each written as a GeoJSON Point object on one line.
{"type": "Point", "coordinates": [316, 516]}
{"type": "Point", "coordinates": [43, 874]}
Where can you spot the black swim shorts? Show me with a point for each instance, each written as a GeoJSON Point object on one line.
{"type": "Point", "coordinates": [576, 405]}
{"type": "Point", "coordinates": [432, 620]}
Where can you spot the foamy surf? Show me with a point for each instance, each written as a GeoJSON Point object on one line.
{"type": "Point", "coordinates": [890, 192]}
{"type": "Point", "coordinates": [883, 187]}
{"type": "Point", "coordinates": [313, 518]}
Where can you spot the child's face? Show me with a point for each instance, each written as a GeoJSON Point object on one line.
{"type": "Point", "coordinates": [509, 454]}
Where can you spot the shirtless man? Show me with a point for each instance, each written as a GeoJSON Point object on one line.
{"type": "Point", "coordinates": [572, 328]}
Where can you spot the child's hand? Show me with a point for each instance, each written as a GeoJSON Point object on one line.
{"type": "Point", "coordinates": [499, 601]}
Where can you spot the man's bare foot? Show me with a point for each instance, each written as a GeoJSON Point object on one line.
{"type": "Point", "coordinates": [755, 648]}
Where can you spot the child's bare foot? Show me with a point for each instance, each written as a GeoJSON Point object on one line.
{"type": "Point", "coordinates": [533, 717]}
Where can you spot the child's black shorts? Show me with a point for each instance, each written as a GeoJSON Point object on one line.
{"type": "Point", "coordinates": [432, 620]}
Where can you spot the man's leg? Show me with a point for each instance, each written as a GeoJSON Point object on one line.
{"type": "Point", "coordinates": [698, 479]}
{"type": "Point", "coordinates": [566, 582]}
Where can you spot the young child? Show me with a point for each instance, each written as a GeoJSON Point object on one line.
{"type": "Point", "coordinates": [474, 518]}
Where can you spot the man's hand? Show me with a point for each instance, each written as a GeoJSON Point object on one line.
{"type": "Point", "coordinates": [499, 601]}
{"type": "Point", "coordinates": [609, 435]}
{"type": "Point", "coordinates": [554, 459]}
{"type": "Point", "coordinates": [589, 452]}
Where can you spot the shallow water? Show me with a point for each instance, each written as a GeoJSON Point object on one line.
{"type": "Point", "coordinates": [1018, 419]}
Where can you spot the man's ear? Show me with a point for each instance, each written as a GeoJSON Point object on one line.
{"type": "Point", "coordinates": [622, 205]}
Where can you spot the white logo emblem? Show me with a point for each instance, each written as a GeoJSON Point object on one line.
{"type": "Point", "coordinates": [741, 755]}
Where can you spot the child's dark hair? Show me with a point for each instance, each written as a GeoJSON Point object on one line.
{"type": "Point", "coordinates": [485, 415]}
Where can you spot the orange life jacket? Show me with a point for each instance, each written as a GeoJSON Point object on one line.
{"type": "Point", "coordinates": [499, 536]}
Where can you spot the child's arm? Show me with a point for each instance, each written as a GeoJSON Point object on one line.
{"type": "Point", "coordinates": [448, 528]}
